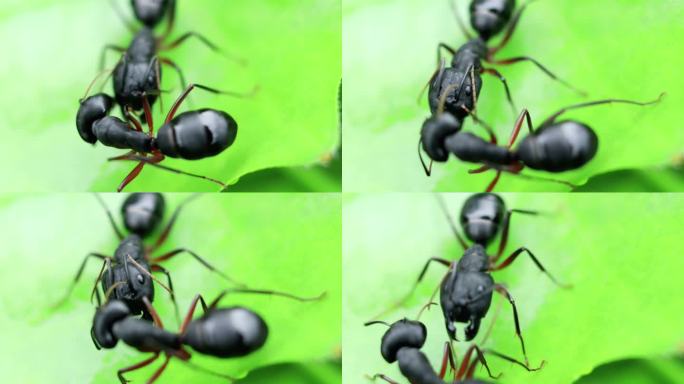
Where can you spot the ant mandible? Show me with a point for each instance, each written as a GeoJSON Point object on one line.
{"type": "Point", "coordinates": [219, 332]}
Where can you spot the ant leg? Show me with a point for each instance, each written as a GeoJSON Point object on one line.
{"type": "Point", "coordinates": [459, 20]}
{"type": "Point", "coordinates": [441, 46]}
{"type": "Point", "coordinates": [524, 115]}
{"type": "Point", "coordinates": [506, 227]}
{"type": "Point", "coordinates": [504, 292]}
{"type": "Point", "coordinates": [148, 116]}
{"type": "Point", "coordinates": [547, 179]}
{"type": "Point", "coordinates": [514, 361]}
{"type": "Point", "coordinates": [467, 368]}
{"type": "Point", "coordinates": [178, 70]}
{"type": "Point", "coordinates": [450, 220]}
{"type": "Point", "coordinates": [159, 371]}
{"type": "Point", "coordinates": [165, 233]}
{"type": "Point", "coordinates": [494, 72]}
{"type": "Point", "coordinates": [108, 266]}
{"type": "Point", "coordinates": [191, 312]}
{"type": "Point", "coordinates": [78, 275]}
{"type": "Point", "coordinates": [106, 48]}
{"type": "Point", "coordinates": [447, 358]}
{"type": "Point", "coordinates": [153, 312]}
{"type": "Point", "coordinates": [186, 92]}
{"type": "Point", "coordinates": [154, 162]}
{"type": "Point", "coordinates": [131, 176]}
{"type": "Point", "coordinates": [197, 257]}
{"type": "Point", "coordinates": [171, 22]}
{"type": "Point", "coordinates": [141, 364]}
{"type": "Point", "coordinates": [436, 78]}
{"type": "Point", "coordinates": [110, 217]}
{"type": "Point", "coordinates": [159, 268]}
{"type": "Point", "coordinates": [553, 117]}
{"type": "Point", "coordinates": [515, 254]}
{"type": "Point", "coordinates": [131, 118]}
{"type": "Point", "coordinates": [514, 60]}
{"type": "Point", "coordinates": [157, 77]}
{"type": "Point", "coordinates": [205, 41]}
{"type": "Point", "coordinates": [426, 168]}
{"type": "Point", "coordinates": [92, 83]}
{"type": "Point", "coordinates": [401, 301]}
{"type": "Point", "coordinates": [482, 169]}
{"type": "Point", "coordinates": [493, 183]}
{"type": "Point", "coordinates": [125, 20]}
{"type": "Point", "coordinates": [382, 377]}
{"type": "Point", "coordinates": [264, 292]}
{"type": "Point", "coordinates": [509, 31]}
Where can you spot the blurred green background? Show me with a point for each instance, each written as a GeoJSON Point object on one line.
{"type": "Point", "coordinates": [286, 242]}
{"type": "Point", "coordinates": [610, 48]}
{"type": "Point", "coordinates": [293, 54]}
{"type": "Point", "coordinates": [621, 252]}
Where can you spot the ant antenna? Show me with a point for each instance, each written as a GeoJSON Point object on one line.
{"type": "Point", "coordinates": [92, 83]}
{"type": "Point", "coordinates": [376, 322]}
{"type": "Point", "coordinates": [109, 216]}
{"type": "Point", "coordinates": [600, 102]}
{"type": "Point", "coordinates": [147, 273]}
{"type": "Point", "coordinates": [452, 225]}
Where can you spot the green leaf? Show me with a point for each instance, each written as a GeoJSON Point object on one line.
{"type": "Point", "coordinates": [284, 242]}
{"type": "Point", "coordinates": [637, 371]}
{"type": "Point", "coordinates": [293, 53]}
{"type": "Point", "coordinates": [611, 49]}
{"type": "Point", "coordinates": [621, 252]}
{"type": "Point", "coordinates": [659, 179]}
{"type": "Point", "coordinates": [311, 373]}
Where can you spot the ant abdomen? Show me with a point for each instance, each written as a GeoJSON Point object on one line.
{"type": "Point", "coordinates": [113, 132]}
{"type": "Point", "coordinates": [92, 109]}
{"type": "Point", "coordinates": [150, 12]}
{"type": "Point", "coordinates": [142, 212]}
{"type": "Point", "coordinates": [227, 332]}
{"type": "Point", "coordinates": [489, 17]}
{"type": "Point", "coordinates": [197, 134]}
{"type": "Point", "coordinates": [435, 131]}
{"type": "Point", "coordinates": [559, 147]}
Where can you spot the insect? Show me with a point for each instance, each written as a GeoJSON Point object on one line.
{"type": "Point", "coordinates": [488, 18]}
{"type": "Point", "coordinates": [137, 74]}
{"type": "Point", "coordinates": [223, 332]}
{"type": "Point", "coordinates": [466, 290]}
{"type": "Point", "coordinates": [402, 343]}
{"type": "Point", "coordinates": [555, 146]}
{"type": "Point", "coordinates": [128, 275]}
{"type": "Point", "coordinates": [190, 135]}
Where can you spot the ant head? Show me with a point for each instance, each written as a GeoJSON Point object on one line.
{"type": "Point", "coordinates": [435, 131]}
{"type": "Point", "coordinates": [142, 212]}
{"type": "Point", "coordinates": [466, 297]}
{"type": "Point", "coordinates": [92, 109]}
{"type": "Point", "coordinates": [489, 17]}
{"type": "Point", "coordinates": [105, 318]}
{"type": "Point", "coordinates": [197, 134]}
{"type": "Point", "coordinates": [403, 333]}
{"type": "Point", "coordinates": [227, 332]}
{"type": "Point", "coordinates": [150, 12]}
{"type": "Point", "coordinates": [457, 91]}
{"type": "Point", "coordinates": [481, 217]}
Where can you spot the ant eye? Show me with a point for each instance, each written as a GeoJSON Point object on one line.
{"type": "Point", "coordinates": [480, 288]}
{"type": "Point", "coordinates": [141, 279]}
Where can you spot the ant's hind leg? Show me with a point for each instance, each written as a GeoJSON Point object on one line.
{"type": "Point", "coordinates": [536, 261]}
{"type": "Point", "coordinates": [167, 229]}
{"type": "Point", "coordinates": [206, 42]}
{"type": "Point", "coordinates": [381, 377]}
{"type": "Point", "coordinates": [197, 257]}
{"type": "Point", "coordinates": [159, 268]}
{"type": "Point", "coordinates": [493, 183]}
{"type": "Point", "coordinates": [135, 367]}
{"type": "Point", "coordinates": [79, 274]}
{"type": "Point", "coordinates": [542, 67]}
{"type": "Point", "coordinates": [506, 228]}
{"type": "Point", "coordinates": [504, 292]}
{"type": "Point", "coordinates": [109, 47]}
{"type": "Point", "coordinates": [131, 176]}
{"type": "Point", "coordinates": [497, 74]}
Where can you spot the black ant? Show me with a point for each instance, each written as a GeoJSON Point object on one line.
{"type": "Point", "coordinates": [128, 275]}
{"type": "Point", "coordinates": [488, 18]}
{"type": "Point", "coordinates": [555, 146]}
{"type": "Point", "coordinates": [402, 343]}
{"type": "Point", "coordinates": [219, 332]}
{"type": "Point", "coordinates": [137, 74]}
{"type": "Point", "coordinates": [466, 290]}
{"type": "Point", "coordinates": [190, 135]}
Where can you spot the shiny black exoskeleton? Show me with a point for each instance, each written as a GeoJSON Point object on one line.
{"type": "Point", "coordinates": [138, 73]}
{"type": "Point", "coordinates": [490, 17]}
{"type": "Point", "coordinates": [219, 332]}
{"type": "Point", "coordinates": [402, 343]}
{"type": "Point", "coordinates": [152, 12]}
{"type": "Point", "coordinates": [189, 135]}
{"type": "Point", "coordinates": [555, 146]}
{"type": "Point", "coordinates": [143, 212]}
{"type": "Point", "coordinates": [467, 288]}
